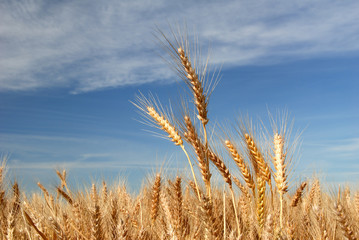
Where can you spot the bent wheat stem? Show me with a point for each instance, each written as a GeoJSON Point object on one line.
{"type": "Point", "coordinates": [193, 174]}
{"type": "Point", "coordinates": [235, 211]}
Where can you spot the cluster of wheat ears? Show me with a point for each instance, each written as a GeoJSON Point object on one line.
{"type": "Point", "coordinates": [253, 203]}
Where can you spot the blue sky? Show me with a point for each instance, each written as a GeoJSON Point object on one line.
{"type": "Point", "coordinates": [70, 68]}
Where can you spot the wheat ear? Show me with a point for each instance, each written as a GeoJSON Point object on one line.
{"type": "Point", "coordinates": [62, 177]}
{"type": "Point", "coordinates": [227, 178]}
{"type": "Point", "coordinates": [178, 199]}
{"type": "Point", "coordinates": [163, 123]}
{"type": "Point", "coordinates": [200, 150]}
{"type": "Point", "coordinates": [238, 159]}
{"type": "Point", "coordinates": [197, 88]}
{"type": "Point", "coordinates": [104, 192]}
{"type": "Point", "coordinates": [260, 165]}
{"type": "Point", "coordinates": [65, 195]}
{"type": "Point", "coordinates": [200, 98]}
{"type": "Point", "coordinates": [155, 197]}
{"type": "Point", "coordinates": [166, 126]}
{"type": "Point", "coordinates": [114, 217]}
{"type": "Point", "coordinates": [344, 222]}
{"type": "Point", "coordinates": [57, 229]}
{"type": "Point", "coordinates": [280, 175]}
{"type": "Point", "coordinates": [244, 189]}
{"type": "Point", "coordinates": [268, 228]}
{"type": "Point", "coordinates": [66, 226]}
{"type": "Point", "coordinates": [48, 197]}
{"type": "Point", "coordinates": [298, 194]}
{"type": "Point", "coordinates": [356, 197]}
{"type": "Point", "coordinates": [312, 193]}
{"type": "Point", "coordinates": [13, 213]}
{"type": "Point", "coordinates": [210, 222]}
{"type": "Point", "coordinates": [96, 230]}
{"type": "Point", "coordinates": [32, 224]}
{"type": "Point", "coordinates": [322, 223]}
{"type": "Point", "coordinates": [223, 170]}
{"type": "Point", "coordinates": [3, 200]}
{"type": "Point", "coordinates": [261, 201]}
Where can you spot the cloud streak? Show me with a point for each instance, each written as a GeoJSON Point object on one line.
{"type": "Point", "coordinates": [95, 45]}
{"type": "Point", "coordinates": [39, 151]}
{"type": "Point", "coordinates": [346, 147]}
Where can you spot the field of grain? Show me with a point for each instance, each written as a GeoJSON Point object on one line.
{"type": "Point", "coordinates": [252, 200]}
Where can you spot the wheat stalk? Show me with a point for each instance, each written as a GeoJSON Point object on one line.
{"type": "Point", "coordinates": [200, 98]}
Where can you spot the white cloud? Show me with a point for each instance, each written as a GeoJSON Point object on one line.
{"type": "Point", "coordinates": [326, 153]}
{"type": "Point", "coordinates": [346, 147]}
{"type": "Point", "coordinates": [92, 45]}
{"type": "Point", "coordinates": [48, 152]}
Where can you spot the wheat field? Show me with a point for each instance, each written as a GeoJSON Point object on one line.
{"type": "Point", "coordinates": [255, 197]}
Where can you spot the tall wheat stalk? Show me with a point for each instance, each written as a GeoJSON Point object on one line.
{"type": "Point", "coordinates": [200, 100]}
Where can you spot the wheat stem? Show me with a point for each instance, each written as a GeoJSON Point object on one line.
{"type": "Point", "coordinates": [193, 174]}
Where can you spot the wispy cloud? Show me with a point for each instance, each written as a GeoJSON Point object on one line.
{"type": "Point", "coordinates": [91, 45]}
{"type": "Point", "coordinates": [71, 152]}
{"type": "Point", "coordinates": [346, 147]}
